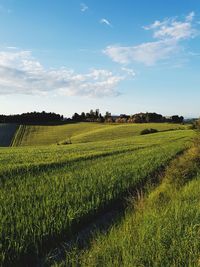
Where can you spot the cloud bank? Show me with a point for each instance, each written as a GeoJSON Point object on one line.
{"type": "Point", "coordinates": [20, 73]}
{"type": "Point", "coordinates": [168, 35]}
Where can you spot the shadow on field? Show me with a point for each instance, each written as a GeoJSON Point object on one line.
{"type": "Point", "coordinates": [101, 221]}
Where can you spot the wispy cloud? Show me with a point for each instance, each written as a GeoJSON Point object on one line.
{"type": "Point", "coordinates": [146, 53]}
{"type": "Point", "coordinates": [20, 73]}
{"type": "Point", "coordinates": [83, 7]}
{"type": "Point", "coordinates": [169, 35]}
{"type": "Point", "coordinates": [130, 72]}
{"type": "Point", "coordinates": [105, 21]}
{"type": "Point", "coordinates": [12, 47]}
{"type": "Point", "coordinates": [174, 29]}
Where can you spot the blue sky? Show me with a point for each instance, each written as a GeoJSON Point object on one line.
{"type": "Point", "coordinates": [123, 56]}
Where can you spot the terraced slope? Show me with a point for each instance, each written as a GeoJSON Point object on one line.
{"type": "Point", "coordinates": [83, 132]}
{"type": "Point", "coordinates": [7, 132]}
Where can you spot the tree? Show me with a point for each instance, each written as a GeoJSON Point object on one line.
{"type": "Point", "coordinates": [177, 119]}
{"type": "Point", "coordinates": [107, 115]}
{"type": "Point", "coordinates": [197, 124]}
{"type": "Point", "coordinates": [76, 117]}
{"type": "Point", "coordinates": [83, 116]}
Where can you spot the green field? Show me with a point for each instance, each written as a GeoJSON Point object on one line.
{"type": "Point", "coordinates": [49, 192]}
{"type": "Point", "coordinates": [162, 230]}
{"type": "Point", "coordinates": [32, 135]}
{"type": "Point", "coordinates": [7, 132]}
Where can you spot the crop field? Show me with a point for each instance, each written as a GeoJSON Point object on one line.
{"type": "Point", "coordinates": [31, 135]}
{"type": "Point", "coordinates": [162, 230]}
{"type": "Point", "coordinates": [48, 192]}
{"type": "Point", "coordinates": [7, 132]}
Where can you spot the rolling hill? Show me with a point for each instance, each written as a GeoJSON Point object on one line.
{"type": "Point", "coordinates": [31, 135]}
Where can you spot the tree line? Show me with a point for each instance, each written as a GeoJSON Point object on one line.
{"type": "Point", "coordinates": [91, 116]}
{"type": "Point", "coordinates": [32, 117]}
{"type": "Point", "coordinates": [96, 116]}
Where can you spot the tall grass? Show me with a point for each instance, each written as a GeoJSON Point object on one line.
{"type": "Point", "coordinates": [162, 230]}
{"type": "Point", "coordinates": [25, 159]}
{"type": "Point", "coordinates": [41, 208]}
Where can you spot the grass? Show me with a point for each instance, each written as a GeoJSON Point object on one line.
{"type": "Point", "coordinates": [162, 229]}
{"type": "Point", "coordinates": [47, 193]}
{"type": "Point", "coordinates": [83, 132]}
{"type": "Point", "coordinates": [26, 158]}
{"type": "Point", "coordinates": [7, 132]}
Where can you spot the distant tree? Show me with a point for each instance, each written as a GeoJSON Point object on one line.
{"type": "Point", "coordinates": [97, 113]}
{"type": "Point", "coordinates": [32, 117]}
{"type": "Point", "coordinates": [121, 120]}
{"type": "Point", "coordinates": [177, 119]}
{"type": "Point", "coordinates": [83, 116]}
{"type": "Point", "coordinates": [92, 114]}
{"type": "Point", "coordinates": [107, 115]}
{"type": "Point", "coordinates": [76, 117]}
{"type": "Point", "coordinates": [197, 124]}
{"type": "Point", "coordinates": [153, 117]}
{"type": "Point", "coordinates": [137, 118]}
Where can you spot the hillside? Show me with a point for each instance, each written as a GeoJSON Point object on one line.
{"type": "Point", "coordinates": [57, 190]}
{"type": "Point", "coordinates": [83, 132]}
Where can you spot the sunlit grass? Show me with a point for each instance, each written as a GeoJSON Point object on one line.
{"type": "Point", "coordinates": [162, 230]}
{"type": "Point", "coordinates": [83, 132]}
{"type": "Point", "coordinates": [47, 192]}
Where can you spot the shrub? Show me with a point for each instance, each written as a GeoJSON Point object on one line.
{"type": "Point", "coordinates": [195, 125]}
{"type": "Point", "coordinates": [148, 131]}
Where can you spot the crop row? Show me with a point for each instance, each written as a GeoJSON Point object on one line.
{"type": "Point", "coordinates": [162, 229]}
{"type": "Point", "coordinates": [16, 160]}
{"type": "Point", "coordinates": [42, 209]}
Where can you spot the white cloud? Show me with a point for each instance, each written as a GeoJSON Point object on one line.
{"type": "Point", "coordinates": [172, 28]}
{"type": "Point", "coordinates": [84, 7]}
{"type": "Point", "coordinates": [190, 16]}
{"type": "Point", "coordinates": [130, 72]}
{"type": "Point", "coordinates": [20, 73]}
{"type": "Point", "coordinates": [169, 34]}
{"type": "Point", "coordinates": [105, 21]}
{"type": "Point", "coordinates": [12, 47]}
{"type": "Point", "coordinates": [146, 53]}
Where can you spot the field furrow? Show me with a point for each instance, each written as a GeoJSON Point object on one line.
{"type": "Point", "coordinates": [42, 209]}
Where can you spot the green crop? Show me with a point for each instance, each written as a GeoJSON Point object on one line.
{"type": "Point", "coordinates": [47, 193]}
{"type": "Point", "coordinates": [32, 135]}
{"type": "Point", "coordinates": [162, 230]}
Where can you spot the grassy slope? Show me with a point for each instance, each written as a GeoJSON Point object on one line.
{"type": "Point", "coordinates": [83, 132]}
{"type": "Point", "coordinates": [41, 204]}
{"type": "Point", "coordinates": [163, 230]}
{"type": "Point", "coordinates": [47, 135]}
{"type": "Point", "coordinates": [7, 132]}
{"type": "Point", "coordinates": [16, 158]}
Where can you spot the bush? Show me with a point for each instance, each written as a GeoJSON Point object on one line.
{"type": "Point", "coordinates": [148, 131]}
{"type": "Point", "coordinates": [198, 124]}
{"type": "Point", "coordinates": [65, 143]}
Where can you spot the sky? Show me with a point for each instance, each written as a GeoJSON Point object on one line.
{"type": "Point", "coordinates": [121, 56]}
